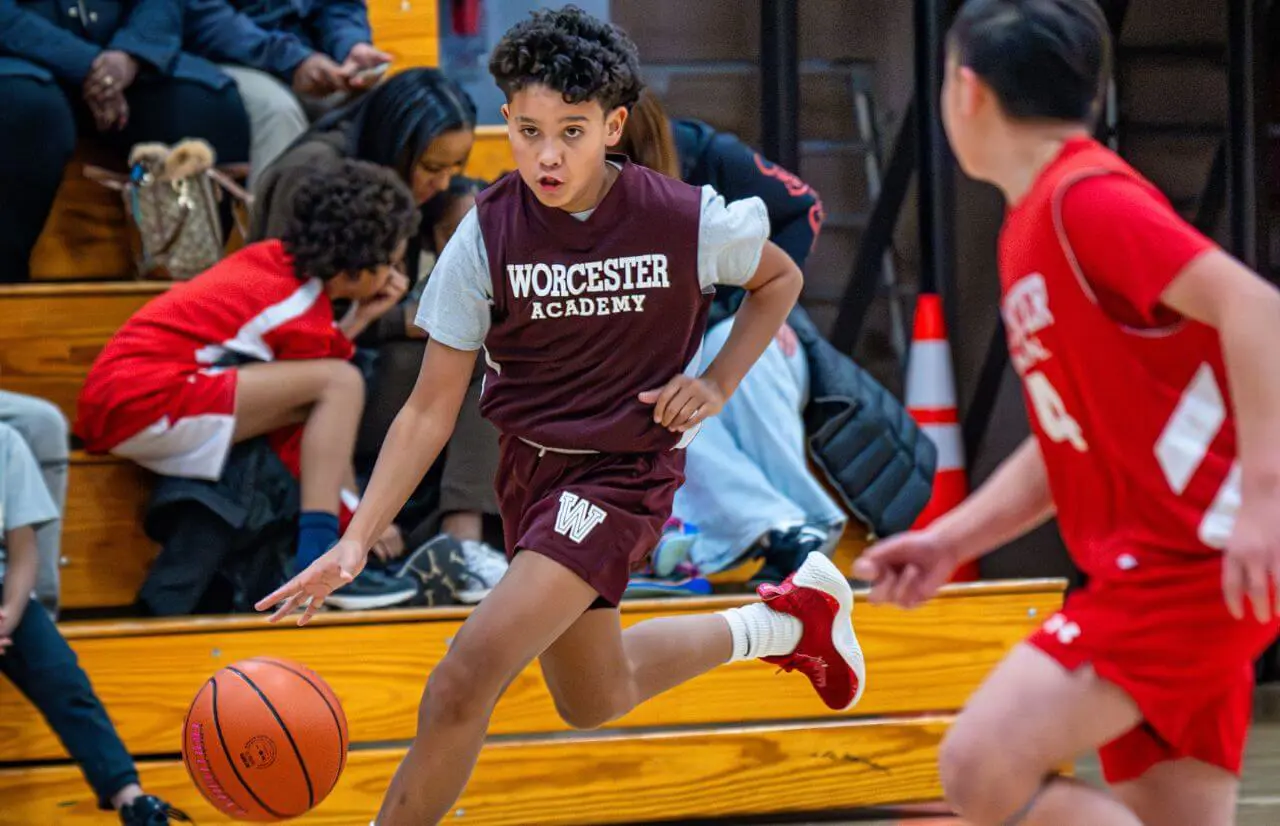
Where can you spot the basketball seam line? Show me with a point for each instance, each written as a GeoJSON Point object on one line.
{"type": "Point", "coordinates": [343, 762]}
{"type": "Point", "coordinates": [217, 724]}
{"type": "Point", "coordinates": [306, 775]}
{"type": "Point", "coordinates": [212, 684]}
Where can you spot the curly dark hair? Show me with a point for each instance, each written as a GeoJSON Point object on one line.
{"type": "Point", "coordinates": [348, 216]}
{"type": "Point", "coordinates": [579, 56]}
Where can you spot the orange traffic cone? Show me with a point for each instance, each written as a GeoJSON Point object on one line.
{"type": "Point", "coordinates": [931, 401]}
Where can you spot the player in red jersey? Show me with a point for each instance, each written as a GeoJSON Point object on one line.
{"type": "Point", "coordinates": [1147, 357]}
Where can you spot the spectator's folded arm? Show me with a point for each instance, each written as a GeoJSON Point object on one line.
{"type": "Point", "coordinates": [27, 35]}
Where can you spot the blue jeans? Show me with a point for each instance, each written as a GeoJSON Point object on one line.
{"type": "Point", "coordinates": [43, 667]}
{"type": "Point", "coordinates": [747, 471]}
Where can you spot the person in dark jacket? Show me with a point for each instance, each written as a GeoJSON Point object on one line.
{"type": "Point", "coordinates": [749, 490]}
{"type": "Point", "coordinates": [289, 58]}
{"type": "Point", "coordinates": [112, 69]}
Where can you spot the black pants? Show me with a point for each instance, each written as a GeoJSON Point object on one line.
{"type": "Point", "coordinates": [44, 668]}
{"type": "Point", "coordinates": [40, 123]}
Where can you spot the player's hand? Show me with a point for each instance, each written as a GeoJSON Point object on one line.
{"type": "Point", "coordinates": [684, 403]}
{"type": "Point", "coordinates": [1251, 566]}
{"type": "Point", "coordinates": [907, 569]}
{"type": "Point", "coordinates": [309, 589]}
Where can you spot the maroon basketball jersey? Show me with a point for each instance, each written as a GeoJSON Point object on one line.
{"type": "Point", "coordinates": [587, 314]}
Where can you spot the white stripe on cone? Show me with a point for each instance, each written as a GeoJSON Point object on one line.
{"type": "Point", "coordinates": [929, 381]}
{"type": "Point", "coordinates": [950, 445]}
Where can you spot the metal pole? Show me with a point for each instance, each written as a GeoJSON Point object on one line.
{"type": "Point", "coordinates": [936, 184]}
{"type": "Point", "coordinates": [780, 82]}
{"type": "Point", "coordinates": [1242, 123]}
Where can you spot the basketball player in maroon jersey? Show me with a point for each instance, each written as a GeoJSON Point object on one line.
{"type": "Point", "coordinates": [586, 280]}
{"type": "Point", "coordinates": [1148, 361]}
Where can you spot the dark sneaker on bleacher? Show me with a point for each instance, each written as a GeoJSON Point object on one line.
{"type": "Point", "coordinates": [785, 551]}
{"type": "Point", "coordinates": [149, 810]}
{"type": "Point", "coordinates": [372, 589]}
{"type": "Point", "coordinates": [437, 571]}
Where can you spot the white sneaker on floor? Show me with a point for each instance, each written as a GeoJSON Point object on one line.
{"type": "Point", "coordinates": [485, 566]}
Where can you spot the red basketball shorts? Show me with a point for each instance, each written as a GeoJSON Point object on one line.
{"type": "Point", "coordinates": [600, 515]}
{"type": "Point", "coordinates": [1161, 632]}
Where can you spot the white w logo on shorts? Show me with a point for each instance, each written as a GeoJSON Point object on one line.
{"type": "Point", "coordinates": [577, 517]}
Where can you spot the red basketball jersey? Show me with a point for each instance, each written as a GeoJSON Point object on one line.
{"type": "Point", "coordinates": [1135, 422]}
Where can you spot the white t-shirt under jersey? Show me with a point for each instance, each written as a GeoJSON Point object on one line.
{"type": "Point", "coordinates": [455, 305]}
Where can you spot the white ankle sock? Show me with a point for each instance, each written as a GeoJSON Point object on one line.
{"type": "Point", "coordinates": [759, 631]}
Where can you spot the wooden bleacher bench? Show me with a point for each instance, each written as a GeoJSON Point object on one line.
{"type": "Point", "coordinates": [721, 745]}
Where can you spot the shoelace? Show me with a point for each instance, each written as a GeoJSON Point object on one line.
{"type": "Point", "coordinates": [815, 668]}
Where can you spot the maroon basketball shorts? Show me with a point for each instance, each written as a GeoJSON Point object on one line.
{"type": "Point", "coordinates": [598, 514]}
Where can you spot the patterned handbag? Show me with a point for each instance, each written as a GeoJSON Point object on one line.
{"type": "Point", "coordinates": [173, 198]}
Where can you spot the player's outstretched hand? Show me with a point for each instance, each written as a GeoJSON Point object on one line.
{"type": "Point", "coordinates": [1251, 566]}
{"type": "Point", "coordinates": [907, 569]}
{"type": "Point", "coordinates": [309, 589]}
{"type": "Point", "coordinates": [684, 403]}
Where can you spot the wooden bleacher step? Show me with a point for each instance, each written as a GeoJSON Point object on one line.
{"type": "Point", "coordinates": [589, 779]}
{"type": "Point", "coordinates": [52, 333]}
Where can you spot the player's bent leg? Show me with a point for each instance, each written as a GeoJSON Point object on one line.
{"type": "Point", "coordinates": [1182, 793]}
{"type": "Point", "coordinates": [596, 672]}
{"type": "Point", "coordinates": [532, 605]}
{"type": "Point", "coordinates": [1028, 719]}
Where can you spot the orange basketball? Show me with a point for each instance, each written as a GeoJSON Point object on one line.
{"type": "Point", "coordinates": [265, 740]}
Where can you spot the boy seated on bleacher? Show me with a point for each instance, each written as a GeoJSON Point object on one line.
{"type": "Point", "coordinates": [251, 348]}
{"type": "Point", "coordinates": [36, 658]}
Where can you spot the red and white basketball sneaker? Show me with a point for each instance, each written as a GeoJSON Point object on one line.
{"type": "Point", "coordinates": [828, 654]}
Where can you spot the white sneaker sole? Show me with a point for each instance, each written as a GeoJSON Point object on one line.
{"type": "Point", "coordinates": [349, 603]}
{"type": "Point", "coordinates": [821, 574]}
{"type": "Point", "coordinates": [473, 597]}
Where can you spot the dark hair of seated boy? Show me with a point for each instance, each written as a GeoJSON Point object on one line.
{"type": "Point", "coordinates": [251, 347]}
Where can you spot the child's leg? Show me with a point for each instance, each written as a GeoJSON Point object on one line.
{"type": "Point", "coordinates": [597, 672]}
{"type": "Point", "coordinates": [534, 604]}
{"type": "Point", "coordinates": [44, 669]}
{"type": "Point", "coordinates": [1182, 793]}
{"type": "Point", "coordinates": [1030, 718]}
{"type": "Point", "coordinates": [326, 394]}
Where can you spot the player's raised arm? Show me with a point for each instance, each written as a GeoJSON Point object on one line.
{"type": "Point", "coordinates": [1245, 310]}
